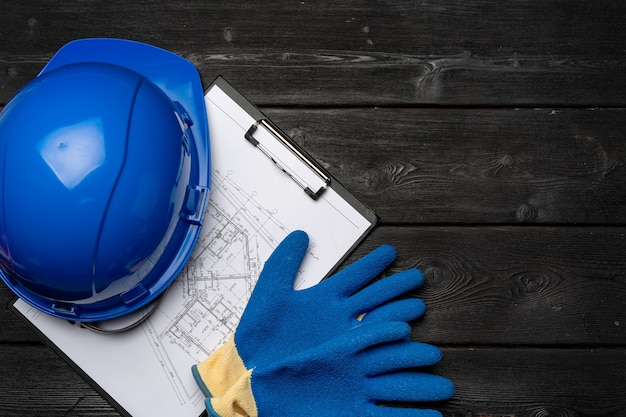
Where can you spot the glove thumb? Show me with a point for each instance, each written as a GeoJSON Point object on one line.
{"type": "Point", "coordinates": [281, 268]}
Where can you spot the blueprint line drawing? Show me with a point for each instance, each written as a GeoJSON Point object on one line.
{"type": "Point", "coordinates": [217, 281]}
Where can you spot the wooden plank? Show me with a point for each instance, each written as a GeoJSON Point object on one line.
{"type": "Point", "coordinates": [495, 382]}
{"type": "Point", "coordinates": [472, 165]}
{"type": "Point", "coordinates": [489, 382]}
{"type": "Point", "coordinates": [528, 53]}
{"type": "Point", "coordinates": [11, 328]}
{"type": "Point", "coordinates": [500, 285]}
{"type": "Point", "coordinates": [478, 166]}
{"type": "Point", "coordinates": [46, 385]}
{"type": "Point", "coordinates": [515, 285]}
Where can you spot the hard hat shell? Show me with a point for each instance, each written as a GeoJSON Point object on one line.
{"type": "Point", "coordinates": [104, 170]}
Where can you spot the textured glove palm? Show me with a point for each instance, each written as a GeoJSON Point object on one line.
{"type": "Point", "coordinates": [344, 377]}
{"type": "Point", "coordinates": [280, 321]}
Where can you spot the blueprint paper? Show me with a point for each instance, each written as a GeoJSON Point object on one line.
{"type": "Point", "coordinates": [252, 206]}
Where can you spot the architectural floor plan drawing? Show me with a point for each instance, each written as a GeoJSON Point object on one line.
{"type": "Point", "coordinates": [252, 206]}
{"type": "Point", "coordinates": [214, 287]}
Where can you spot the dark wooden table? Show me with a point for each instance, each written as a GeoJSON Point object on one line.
{"type": "Point", "coordinates": [488, 136]}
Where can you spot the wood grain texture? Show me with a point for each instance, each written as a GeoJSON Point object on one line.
{"type": "Point", "coordinates": [476, 166]}
{"type": "Point", "coordinates": [12, 329]}
{"type": "Point", "coordinates": [37, 382]}
{"type": "Point", "coordinates": [515, 285]}
{"type": "Point", "coordinates": [495, 382]}
{"type": "Point", "coordinates": [529, 53]}
{"type": "Point", "coordinates": [488, 137]}
{"type": "Point", "coordinates": [499, 285]}
{"type": "Point", "coordinates": [473, 165]}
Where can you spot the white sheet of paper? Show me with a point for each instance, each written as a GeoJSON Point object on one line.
{"type": "Point", "coordinates": [252, 206]}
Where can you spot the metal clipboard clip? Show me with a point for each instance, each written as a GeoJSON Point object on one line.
{"type": "Point", "coordinates": [288, 157]}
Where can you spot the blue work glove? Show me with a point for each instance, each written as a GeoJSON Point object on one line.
{"type": "Point", "coordinates": [346, 376]}
{"type": "Point", "coordinates": [280, 321]}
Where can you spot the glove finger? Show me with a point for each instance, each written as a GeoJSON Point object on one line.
{"type": "Point", "coordinates": [386, 289]}
{"type": "Point", "coordinates": [399, 356]}
{"type": "Point", "coordinates": [400, 310]}
{"type": "Point", "coordinates": [366, 336]}
{"type": "Point", "coordinates": [280, 269]}
{"type": "Point", "coordinates": [391, 411]}
{"type": "Point", "coordinates": [356, 275]}
{"type": "Point", "coordinates": [410, 386]}
{"type": "Point", "coordinates": [344, 347]}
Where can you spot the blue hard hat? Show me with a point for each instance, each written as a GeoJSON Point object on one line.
{"type": "Point", "coordinates": [104, 170]}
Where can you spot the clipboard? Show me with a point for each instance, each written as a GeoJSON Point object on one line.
{"type": "Point", "coordinates": [263, 185]}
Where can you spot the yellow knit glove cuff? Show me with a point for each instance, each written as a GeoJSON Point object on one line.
{"type": "Point", "coordinates": [222, 369]}
{"type": "Point", "coordinates": [238, 401]}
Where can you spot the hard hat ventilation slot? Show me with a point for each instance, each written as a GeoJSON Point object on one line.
{"type": "Point", "coordinates": [195, 201]}
{"type": "Point", "coordinates": [137, 293]}
{"type": "Point", "coordinates": [66, 310]}
{"type": "Point", "coordinates": [182, 115]}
